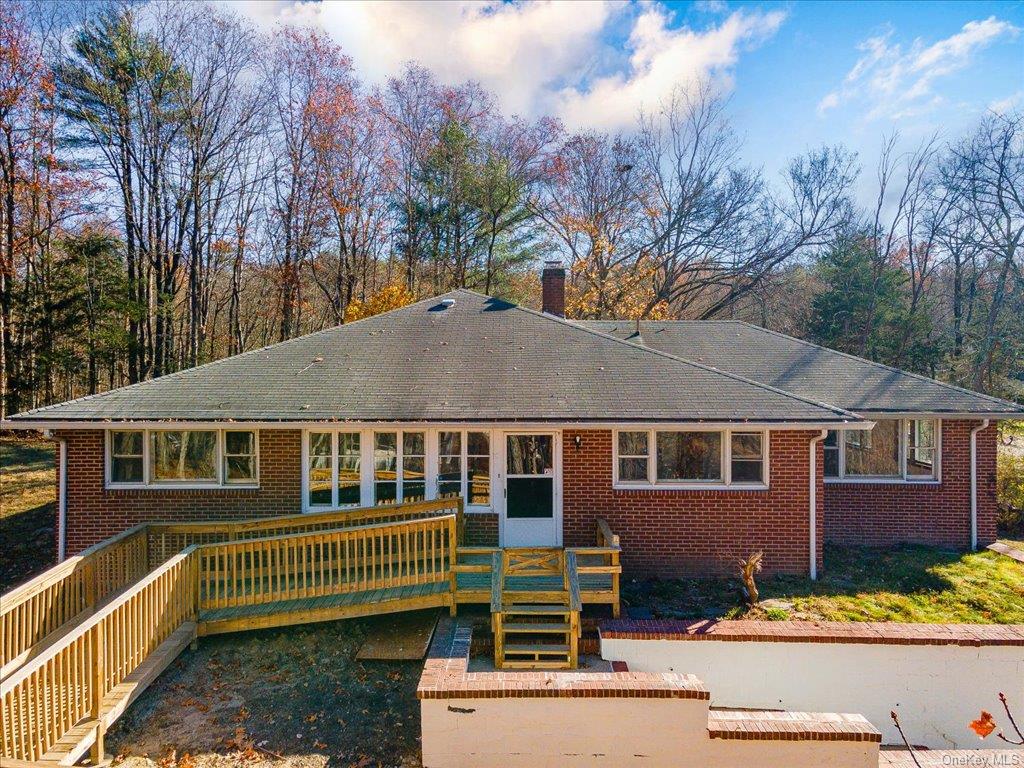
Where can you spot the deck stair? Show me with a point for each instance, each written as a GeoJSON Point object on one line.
{"type": "Point", "coordinates": [535, 609]}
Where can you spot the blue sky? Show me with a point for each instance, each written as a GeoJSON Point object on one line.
{"type": "Point", "coordinates": [799, 74]}
{"type": "Point", "coordinates": [779, 87]}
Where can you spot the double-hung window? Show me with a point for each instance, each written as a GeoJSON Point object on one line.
{"type": "Point", "coordinates": [127, 456]}
{"type": "Point", "coordinates": [464, 466]}
{"type": "Point", "coordinates": [333, 469]}
{"type": "Point", "coordinates": [182, 457]}
{"type": "Point", "coordinates": [399, 466]}
{"type": "Point", "coordinates": [895, 449]}
{"type": "Point", "coordinates": [690, 458]}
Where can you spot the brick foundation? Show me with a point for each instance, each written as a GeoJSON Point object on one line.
{"type": "Point", "coordinates": [693, 533]}
{"type": "Point", "coordinates": [939, 514]}
{"type": "Point", "coordinates": [482, 529]}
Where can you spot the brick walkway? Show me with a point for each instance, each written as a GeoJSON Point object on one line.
{"type": "Point", "coordinates": [945, 758]}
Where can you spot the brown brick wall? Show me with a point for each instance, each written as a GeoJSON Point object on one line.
{"type": "Point", "coordinates": [482, 529]}
{"type": "Point", "coordinates": [692, 533]}
{"type": "Point", "coordinates": [95, 513]}
{"type": "Point", "coordinates": [887, 513]}
{"type": "Point", "coordinates": [663, 532]}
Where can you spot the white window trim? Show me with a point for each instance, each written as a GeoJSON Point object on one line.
{"type": "Point", "coordinates": [464, 458]}
{"type": "Point", "coordinates": [904, 478]}
{"type": "Point", "coordinates": [334, 433]}
{"type": "Point", "coordinates": [399, 480]}
{"type": "Point", "coordinates": [149, 484]}
{"type": "Point", "coordinates": [366, 450]}
{"type": "Point", "coordinates": [725, 484]}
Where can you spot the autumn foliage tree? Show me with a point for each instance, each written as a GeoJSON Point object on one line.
{"type": "Point", "coordinates": [177, 184]}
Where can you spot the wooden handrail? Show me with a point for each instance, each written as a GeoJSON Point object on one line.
{"type": "Point", "coordinates": [167, 538]}
{"type": "Point", "coordinates": [605, 537]}
{"type": "Point", "coordinates": [66, 683]}
{"type": "Point", "coordinates": [39, 607]}
{"type": "Point", "coordinates": [305, 565]}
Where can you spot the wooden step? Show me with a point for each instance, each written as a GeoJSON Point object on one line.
{"type": "Point", "coordinates": [537, 648]}
{"type": "Point", "coordinates": [536, 664]}
{"type": "Point", "coordinates": [538, 627]}
{"type": "Point", "coordinates": [549, 610]}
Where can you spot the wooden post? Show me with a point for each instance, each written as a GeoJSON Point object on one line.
{"type": "Point", "coordinates": [194, 593]}
{"type": "Point", "coordinates": [453, 559]}
{"type": "Point", "coordinates": [90, 577]}
{"type": "Point", "coordinates": [99, 684]}
{"type": "Point", "coordinates": [616, 608]}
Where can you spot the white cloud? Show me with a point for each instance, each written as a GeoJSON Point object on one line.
{"type": "Point", "coordinates": [710, 6]}
{"type": "Point", "coordinates": [662, 57]}
{"type": "Point", "coordinates": [536, 57]}
{"type": "Point", "coordinates": [1010, 103]}
{"type": "Point", "coordinates": [894, 83]}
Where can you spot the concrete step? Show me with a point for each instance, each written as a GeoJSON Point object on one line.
{"type": "Point", "coordinates": [771, 725]}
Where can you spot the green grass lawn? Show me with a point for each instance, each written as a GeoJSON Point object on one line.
{"type": "Point", "coordinates": [27, 509]}
{"type": "Point", "coordinates": [908, 583]}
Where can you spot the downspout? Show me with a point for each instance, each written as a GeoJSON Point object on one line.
{"type": "Point", "coordinates": [814, 502]}
{"type": "Point", "coordinates": [974, 484]}
{"type": "Point", "coordinates": [62, 501]}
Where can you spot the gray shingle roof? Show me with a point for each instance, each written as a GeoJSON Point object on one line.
{"type": "Point", "coordinates": [805, 369]}
{"type": "Point", "coordinates": [480, 359]}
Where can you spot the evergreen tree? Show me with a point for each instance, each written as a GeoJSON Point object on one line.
{"type": "Point", "coordinates": [863, 309]}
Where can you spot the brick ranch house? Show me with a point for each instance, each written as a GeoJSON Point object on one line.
{"type": "Point", "coordinates": [698, 442]}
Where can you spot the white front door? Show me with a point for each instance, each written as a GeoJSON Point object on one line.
{"type": "Point", "coordinates": [531, 494]}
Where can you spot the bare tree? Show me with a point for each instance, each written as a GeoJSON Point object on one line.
{"type": "Point", "coordinates": [986, 174]}
{"type": "Point", "coordinates": [713, 227]}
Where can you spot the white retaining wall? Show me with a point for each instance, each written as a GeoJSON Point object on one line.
{"type": "Point", "coordinates": [653, 732]}
{"type": "Point", "coordinates": [935, 689]}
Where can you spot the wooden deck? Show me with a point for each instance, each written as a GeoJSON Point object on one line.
{"type": "Point", "coordinates": [598, 584]}
{"type": "Point", "coordinates": [80, 642]}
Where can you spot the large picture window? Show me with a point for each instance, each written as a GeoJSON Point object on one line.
{"type": "Point", "coordinates": [690, 458]}
{"type": "Point", "coordinates": [182, 457]}
{"type": "Point", "coordinates": [894, 450]}
{"type": "Point", "coordinates": [684, 456]}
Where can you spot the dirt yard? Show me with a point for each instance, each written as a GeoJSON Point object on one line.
{"type": "Point", "coordinates": [293, 697]}
{"type": "Point", "coordinates": [27, 509]}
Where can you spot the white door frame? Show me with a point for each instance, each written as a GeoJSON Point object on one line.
{"type": "Point", "coordinates": [501, 460]}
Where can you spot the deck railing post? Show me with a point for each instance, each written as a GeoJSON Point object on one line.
{"type": "Point", "coordinates": [460, 521]}
{"type": "Point", "coordinates": [453, 559]}
{"type": "Point", "coordinates": [99, 684]}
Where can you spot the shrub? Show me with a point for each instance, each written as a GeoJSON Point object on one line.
{"type": "Point", "coordinates": [1010, 493]}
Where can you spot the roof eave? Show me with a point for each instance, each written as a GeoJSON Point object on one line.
{"type": "Point", "coordinates": [579, 423]}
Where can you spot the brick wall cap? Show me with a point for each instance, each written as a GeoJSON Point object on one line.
{"type": "Point", "coordinates": [876, 633]}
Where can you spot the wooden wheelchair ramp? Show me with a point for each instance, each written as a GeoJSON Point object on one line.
{"type": "Point", "coordinates": [69, 674]}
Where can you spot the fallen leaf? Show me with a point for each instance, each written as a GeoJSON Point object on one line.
{"type": "Point", "coordinates": [984, 725]}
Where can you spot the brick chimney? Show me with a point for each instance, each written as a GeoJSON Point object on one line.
{"type": "Point", "coordinates": [552, 283]}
